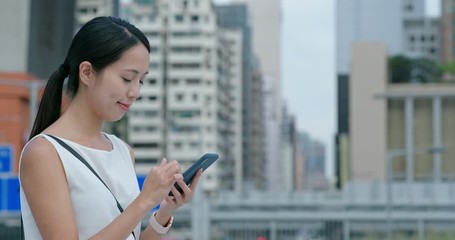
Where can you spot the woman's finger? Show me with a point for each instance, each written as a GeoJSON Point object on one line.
{"type": "Point", "coordinates": [163, 162]}
{"type": "Point", "coordinates": [195, 180]}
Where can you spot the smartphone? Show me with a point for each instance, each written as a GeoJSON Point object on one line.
{"type": "Point", "coordinates": [204, 162]}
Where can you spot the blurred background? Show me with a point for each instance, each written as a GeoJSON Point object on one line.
{"type": "Point", "coordinates": [334, 119]}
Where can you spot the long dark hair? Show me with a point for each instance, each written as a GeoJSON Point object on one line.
{"type": "Point", "coordinates": [101, 41]}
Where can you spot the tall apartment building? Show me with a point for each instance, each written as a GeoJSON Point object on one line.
{"type": "Point", "coordinates": [231, 54]}
{"type": "Point", "coordinates": [237, 16]}
{"type": "Point", "coordinates": [421, 38]}
{"type": "Point", "coordinates": [272, 136]}
{"type": "Point", "coordinates": [88, 9]}
{"type": "Point", "coordinates": [409, 126]}
{"type": "Point", "coordinates": [405, 30]}
{"type": "Point", "coordinates": [186, 106]}
{"type": "Point", "coordinates": [266, 20]}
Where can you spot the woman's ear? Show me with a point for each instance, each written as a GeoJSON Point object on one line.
{"type": "Point", "coordinates": [86, 73]}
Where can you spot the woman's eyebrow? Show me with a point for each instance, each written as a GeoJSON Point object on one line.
{"type": "Point", "coordinates": [136, 72]}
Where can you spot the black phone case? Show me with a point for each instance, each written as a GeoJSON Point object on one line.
{"type": "Point", "coordinates": [204, 162]}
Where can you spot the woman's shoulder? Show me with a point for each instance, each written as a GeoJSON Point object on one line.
{"type": "Point", "coordinates": [37, 146]}
{"type": "Point", "coordinates": [38, 156]}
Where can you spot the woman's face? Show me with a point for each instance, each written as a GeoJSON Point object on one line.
{"type": "Point", "coordinates": [118, 85]}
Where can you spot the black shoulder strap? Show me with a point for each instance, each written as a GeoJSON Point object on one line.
{"type": "Point", "coordinates": [78, 156]}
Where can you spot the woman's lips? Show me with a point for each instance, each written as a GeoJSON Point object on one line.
{"type": "Point", "coordinates": [124, 106]}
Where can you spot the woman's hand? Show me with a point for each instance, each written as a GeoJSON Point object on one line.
{"type": "Point", "coordinates": [171, 203]}
{"type": "Point", "coordinates": [160, 181]}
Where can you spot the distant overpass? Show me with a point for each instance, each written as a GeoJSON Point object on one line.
{"type": "Point", "coordinates": [362, 211]}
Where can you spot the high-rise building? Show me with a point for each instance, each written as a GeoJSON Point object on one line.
{"type": "Point", "coordinates": [406, 128]}
{"type": "Point", "coordinates": [404, 29]}
{"type": "Point", "coordinates": [32, 41]}
{"type": "Point", "coordinates": [421, 38]}
{"type": "Point", "coordinates": [314, 157]}
{"type": "Point", "coordinates": [88, 9]}
{"type": "Point", "coordinates": [186, 106]}
{"type": "Point", "coordinates": [272, 136]}
{"type": "Point", "coordinates": [230, 59]}
{"type": "Point", "coordinates": [237, 16]}
{"type": "Point", "coordinates": [266, 20]}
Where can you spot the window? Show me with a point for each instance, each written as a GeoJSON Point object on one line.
{"type": "Point", "coordinates": [152, 81]}
{"type": "Point", "coordinates": [178, 18]}
{"type": "Point", "coordinates": [195, 96]}
{"type": "Point", "coordinates": [152, 98]}
{"type": "Point", "coordinates": [147, 160]}
{"type": "Point", "coordinates": [154, 65]}
{"type": "Point", "coordinates": [194, 18]}
{"type": "Point", "coordinates": [175, 81]}
{"type": "Point", "coordinates": [151, 113]}
{"type": "Point", "coordinates": [186, 49]}
{"type": "Point", "coordinates": [186, 65]}
{"type": "Point", "coordinates": [195, 145]}
{"type": "Point", "coordinates": [186, 114]}
{"type": "Point", "coordinates": [409, 7]}
{"type": "Point", "coordinates": [178, 145]}
{"type": "Point", "coordinates": [179, 97]}
{"type": "Point", "coordinates": [186, 34]}
{"type": "Point", "coordinates": [151, 129]}
{"type": "Point", "coordinates": [152, 34]}
{"type": "Point", "coordinates": [193, 81]}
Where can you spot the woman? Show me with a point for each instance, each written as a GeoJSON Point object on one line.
{"type": "Point", "coordinates": [61, 197]}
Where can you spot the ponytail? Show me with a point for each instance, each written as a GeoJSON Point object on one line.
{"type": "Point", "coordinates": [51, 101]}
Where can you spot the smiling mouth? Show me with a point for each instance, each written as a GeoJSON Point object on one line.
{"type": "Point", "coordinates": [124, 106]}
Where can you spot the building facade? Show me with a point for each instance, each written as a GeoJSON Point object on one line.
{"type": "Point", "coordinates": [237, 16]}
{"type": "Point", "coordinates": [88, 9]}
{"type": "Point", "coordinates": [404, 29]}
{"type": "Point", "coordinates": [401, 131]}
{"type": "Point", "coordinates": [266, 18]}
{"type": "Point", "coordinates": [185, 108]}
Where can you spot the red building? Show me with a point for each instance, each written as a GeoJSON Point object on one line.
{"type": "Point", "coordinates": [15, 111]}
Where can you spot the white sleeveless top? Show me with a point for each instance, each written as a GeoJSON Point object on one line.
{"type": "Point", "coordinates": [93, 205]}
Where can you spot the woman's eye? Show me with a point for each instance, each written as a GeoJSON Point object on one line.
{"type": "Point", "coordinates": [141, 82]}
{"type": "Point", "coordinates": [126, 80]}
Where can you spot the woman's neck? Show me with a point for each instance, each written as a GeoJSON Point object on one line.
{"type": "Point", "coordinates": [79, 122]}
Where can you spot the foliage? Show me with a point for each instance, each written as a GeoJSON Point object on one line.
{"type": "Point", "coordinates": [410, 70]}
